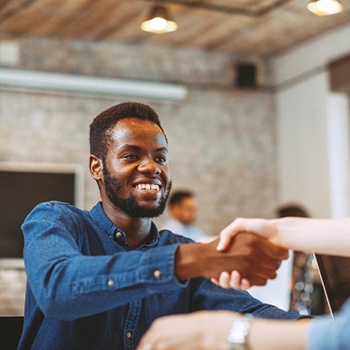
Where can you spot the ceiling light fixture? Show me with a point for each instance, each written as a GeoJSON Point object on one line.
{"type": "Point", "coordinates": [325, 7]}
{"type": "Point", "coordinates": [159, 21]}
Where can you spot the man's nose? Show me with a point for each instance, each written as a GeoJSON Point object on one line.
{"type": "Point", "coordinates": [149, 166]}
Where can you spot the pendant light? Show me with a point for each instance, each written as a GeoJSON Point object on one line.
{"type": "Point", "coordinates": [325, 7]}
{"type": "Point", "coordinates": [159, 21]}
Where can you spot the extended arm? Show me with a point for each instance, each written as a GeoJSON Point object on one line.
{"type": "Point", "coordinates": [324, 236]}
{"type": "Point", "coordinates": [74, 272]}
{"type": "Point", "coordinates": [207, 330]}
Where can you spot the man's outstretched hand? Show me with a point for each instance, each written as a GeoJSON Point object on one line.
{"type": "Point", "coordinates": [253, 257]}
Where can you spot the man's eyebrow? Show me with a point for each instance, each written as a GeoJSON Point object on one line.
{"type": "Point", "coordinates": [138, 148]}
{"type": "Point", "coordinates": [130, 147]}
{"type": "Point", "coordinates": [162, 149]}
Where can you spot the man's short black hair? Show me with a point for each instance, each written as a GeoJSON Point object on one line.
{"type": "Point", "coordinates": [179, 196]}
{"type": "Point", "coordinates": [106, 120]}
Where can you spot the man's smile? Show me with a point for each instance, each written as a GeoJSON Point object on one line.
{"type": "Point", "coordinates": [147, 187]}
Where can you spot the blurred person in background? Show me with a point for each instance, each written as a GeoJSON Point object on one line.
{"type": "Point", "coordinates": [183, 214]}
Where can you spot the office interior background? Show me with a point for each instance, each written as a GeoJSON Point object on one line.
{"type": "Point", "coordinates": [251, 123]}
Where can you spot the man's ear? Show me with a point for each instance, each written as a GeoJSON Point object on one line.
{"type": "Point", "coordinates": [96, 167]}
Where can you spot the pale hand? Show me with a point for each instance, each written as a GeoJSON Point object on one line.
{"type": "Point", "coordinates": [202, 330]}
{"type": "Point", "coordinates": [262, 227]}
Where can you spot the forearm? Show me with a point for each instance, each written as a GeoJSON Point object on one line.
{"type": "Point", "coordinates": [279, 335]}
{"type": "Point", "coordinates": [188, 261]}
{"type": "Point", "coordinates": [209, 330]}
{"type": "Point", "coordinates": [315, 235]}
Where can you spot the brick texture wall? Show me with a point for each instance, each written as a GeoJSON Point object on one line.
{"type": "Point", "coordinates": [221, 139]}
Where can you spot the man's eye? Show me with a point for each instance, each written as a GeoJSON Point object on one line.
{"type": "Point", "coordinates": [130, 156]}
{"type": "Point", "coordinates": [162, 159]}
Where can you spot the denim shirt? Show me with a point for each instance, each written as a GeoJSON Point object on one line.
{"type": "Point", "coordinates": [86, 289]}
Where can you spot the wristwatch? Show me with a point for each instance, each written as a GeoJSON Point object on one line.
{"type": "Point", "coordinates": [237, 338]}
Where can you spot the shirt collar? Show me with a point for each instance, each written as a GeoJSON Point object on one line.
{"type": "Point", "coordinates": [102, 220]}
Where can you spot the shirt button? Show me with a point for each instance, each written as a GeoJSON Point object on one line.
{"type": "Point", "coordinates": [110, 283]}
{"type": "Point", "coordinates": [129, 335]}
{"type": "Point", "coordinates": [157, 274]}
{"type": "Point", "coordinates": [119, 235]}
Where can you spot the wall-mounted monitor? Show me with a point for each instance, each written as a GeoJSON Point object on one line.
{"type": "Point", "coordinates": [22, 187]}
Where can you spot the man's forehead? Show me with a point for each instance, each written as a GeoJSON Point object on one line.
{"type": "Point", "coordinates": [137, 130]}
{"type": "Point", "coordinates": [134, 124]}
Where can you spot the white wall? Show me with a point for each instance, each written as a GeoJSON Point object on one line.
{"type": "Point", "coordinates": [306, 110]}
{"type": "Point", "coordinates": [302, 144]}
{"type": "Point", "coordinates": [338, 153]}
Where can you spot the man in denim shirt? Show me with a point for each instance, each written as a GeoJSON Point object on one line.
{"type": "Point", "coordinates": [97, 279]}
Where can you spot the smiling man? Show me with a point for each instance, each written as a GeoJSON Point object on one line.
{"type": "Point", "coordinates": [97, 279]}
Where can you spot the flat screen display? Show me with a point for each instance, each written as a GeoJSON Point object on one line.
{"type": "Point", "coordinates": [20, 192]}
{"type": "Point", "coordinates": [335, 276]}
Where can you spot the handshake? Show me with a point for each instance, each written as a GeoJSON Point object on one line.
{"type": "Point", "coordinates": [248, 252]}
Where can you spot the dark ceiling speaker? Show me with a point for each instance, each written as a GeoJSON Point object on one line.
{"type": "Point", "coordinates": [245, 76]}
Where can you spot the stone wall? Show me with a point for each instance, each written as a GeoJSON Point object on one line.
{"type": "Point", "coordinates": [221, 139]}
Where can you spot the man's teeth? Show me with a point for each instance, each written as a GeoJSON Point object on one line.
{"type": "Point", "coordinates": [147, 187]}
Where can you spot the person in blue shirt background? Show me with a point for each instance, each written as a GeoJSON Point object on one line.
{"type": "Point", "coordinates": [97, 279]}
{"type": "Point", "coordinates": [183, 214]}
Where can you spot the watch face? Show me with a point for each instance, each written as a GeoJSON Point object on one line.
{"type": "Point", "coordinates": [238, 333]}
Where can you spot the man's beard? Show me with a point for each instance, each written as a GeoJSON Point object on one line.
{"type": "Point", "coordinates": [129, 205]}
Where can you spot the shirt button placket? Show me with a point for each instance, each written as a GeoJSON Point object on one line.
{"type": "Point", "coordinates": [131, 324]}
